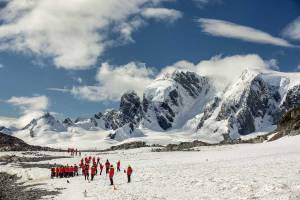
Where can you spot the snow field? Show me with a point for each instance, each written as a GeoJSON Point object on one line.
{"type": "Point", "coordinates": [268, 171]}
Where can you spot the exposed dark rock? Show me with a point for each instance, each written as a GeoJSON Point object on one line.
{"type": "Point", "coordinates": [10, 143]}
{"type": "Point", "coordinates": [68, 122]}
{"type": "Point", "coordinates": [130, 111]}
{"type": "Point", "coordinates": [292, 99]}
{"type": "Point", "coordinates": [208, 111]}
{"type": "Point", "coordinates": [288, 125]}
{"type": "Point", "coordinates": [12, 189]}
{"type": "Point", "coordinates": [16, 159]}
{"type": "Point", "coordinates": [183, 146]}
{"type": "Point", "coordinates": [256, 101]}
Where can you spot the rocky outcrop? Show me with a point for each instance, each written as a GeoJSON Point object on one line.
{"type": "Point", "coordinates": [292, 99]}
{"type": "Point", "coordinates": [10, 143]}
{"type": "Point", "coordinates": [130, 111]}
{"type": "Point", "coordinates": [288, 125]}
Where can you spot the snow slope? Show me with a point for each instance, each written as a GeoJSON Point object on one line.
{"type": "Point", "coordinates": [266, 171]}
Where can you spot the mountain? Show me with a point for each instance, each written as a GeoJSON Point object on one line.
{"type": "Point", "coordinates": [175, 98]}
{"type": "Point", "coordinates": [255, 102]}
{"type": "Point", "coordinates": [47, 122]}
{"type": "Point", "coordinates": [184, 101]}
{"type": "Point", "coordinates": [5, 130]}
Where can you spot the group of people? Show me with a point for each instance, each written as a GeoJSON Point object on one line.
{"type": "Point", "coordinates": [64, 171]}
{"type": "Point", "coordinates": [74, 152]}
{"type": "Point", "coordinates": [89, 168]}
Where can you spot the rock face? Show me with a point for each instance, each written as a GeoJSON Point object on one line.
{"type": "Point", "coordinates": [130, 111]}
{"type": "Point", "coordinates": [5, 130]}
{"type": "Point", "coordinates": [292, 99]}
{"type": "Point", "coordinates": [255, 102]}
{"type": "Point", "coordinates": [289, 124]}
{"type": "Point", "coordinates": [169, 101]}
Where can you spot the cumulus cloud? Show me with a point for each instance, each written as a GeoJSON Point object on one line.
{"type": "Point", "coordinates": [29, 108]}
{"type": "Point", "coordinates": [113, 81]}
{"type": "Point", "coordinates": [231, 30]}
{"type": "Point", "coordinates": [223, 70]}
{"type": "Point", "coordinates": [292, 30]}
{"type": "Point", "coordinates": [72, 33]}
{"type": "Point", "coordinates": [162, 14]}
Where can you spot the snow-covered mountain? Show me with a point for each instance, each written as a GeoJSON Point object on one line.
{"type": "Point", "coordinates": [183, 101]}
{"type": "Point", "coordinates": [175, 98]}
{"type": "Point", "coordinates": [44, 123]}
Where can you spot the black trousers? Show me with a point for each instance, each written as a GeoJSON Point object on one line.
{"type": "Point", "coordinates": [111, 181]}
{"type": "Point", "coordinates": [129, 178]}
{"type": "Point", "coordinates": [92, 177]}
{"type": "Point", "coordinates": [86, 177]}
{"type": "Point", "coordinates": [100, 171]}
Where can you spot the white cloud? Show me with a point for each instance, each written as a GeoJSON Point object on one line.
{"type": "Point", "coordinates": [298, 68]}
{"type": "Point", "coordinates": [162, 14]}
{"type": "Point", "coordinates": [1, 66]}
{"type": "Point", "coordinates": [292, 30]}
{"type": "Point", "coordinates": [29, 108]}
{"type": "Point", "coordinates": [74, 33]}
{"type": "Point", "coordinates": [230, 30]}
{"type": "Point", "coordinates": [113, 81]}
{"type": "Point", "coordinates": [203, 3]}
{"type": "Point", "coordinates": [30, 103]}
{"type": "Point", "coordinates": [223, 70]}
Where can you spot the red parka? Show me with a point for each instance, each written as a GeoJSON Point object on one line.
{"type": "Point", "coordinates": [111, 172]}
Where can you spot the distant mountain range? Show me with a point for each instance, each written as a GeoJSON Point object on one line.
{"type": "Point", "coordinates": [185, 101]}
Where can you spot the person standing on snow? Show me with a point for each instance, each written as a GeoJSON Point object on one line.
{"type": "Point", "coordinates": [107, 164]}
{"type": "Point", "coordinates": [129, 172]}
{"type": "Point", "coordinates": [86, 172]}
{"type": "Point", "coordinates": [93, 172]}
{"type": "Point", "coordinates": [111, 174]}
{"type": "Point", "coordinates": [118, 166]}
{"type": "Point", "coordinates": [75, 170]}
{"type": "Point", "coordinates": [101, 168]}
{"type": "Point", "coordinates": [52, 172]}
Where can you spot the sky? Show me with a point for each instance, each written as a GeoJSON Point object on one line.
{"type": "Point", "coordinates": [77, 57]}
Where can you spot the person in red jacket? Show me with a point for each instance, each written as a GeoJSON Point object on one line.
{"type": "Point", "coordinates": [93, 171]}
{"type": "Point", "coordinates": [129, 172]}
{"type": "Point", "coordinates": [111, 174]}
{"type": "Point", "coordinates": [75, 170]}
{"type": "Point", "coordinates": [107, 164]}
{"type": "Point", "coordinates": [118, 166]}
{"type": "Point", "coordinates": [86, 172]}
{"type": "Point", "coordinates": [52, 172]}
{"type": "Point", "coordinates": [101, 168]}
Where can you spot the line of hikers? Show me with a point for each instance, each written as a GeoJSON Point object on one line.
{"type": "Point", "coordinates": [89, 168]}
{"type": "Point", "coordinates": [74, 152]}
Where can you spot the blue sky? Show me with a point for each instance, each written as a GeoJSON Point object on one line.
{"type": "Point", "coordinates": [41, 60]}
